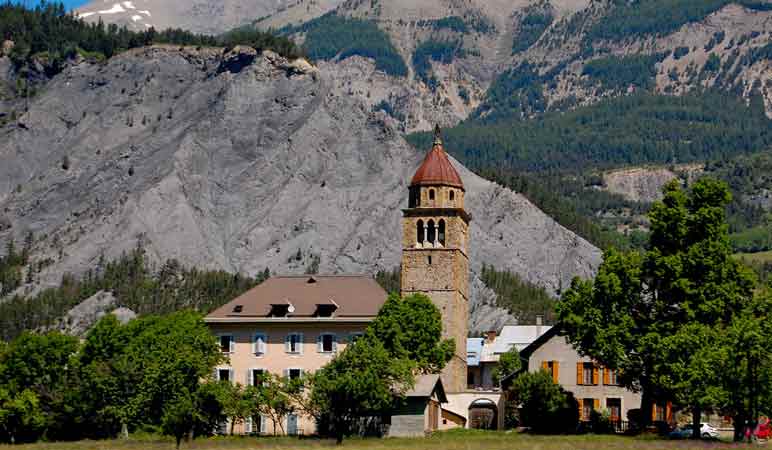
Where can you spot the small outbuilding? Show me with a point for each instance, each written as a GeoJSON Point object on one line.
{"type": "Point", "coordinates": [421, 409]}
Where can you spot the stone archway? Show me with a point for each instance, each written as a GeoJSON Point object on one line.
{"type": "Point", "coordinates": [483, 414]}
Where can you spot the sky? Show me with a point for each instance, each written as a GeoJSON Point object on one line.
{"type": "Point", "coordinates": [68, 4]}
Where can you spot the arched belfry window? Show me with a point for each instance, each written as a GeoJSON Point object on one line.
{"type": "Point", "coordinates": [441, 232]}
{"type": "Point", "coordinates": [452, 195]}
{"type": "Point", "coordinates": [431, 232]}
{"type": "Point", "coordinates": [431, 194]}
{"type": "Point", "coordinates": [414, 197]}
{"type": "Point", "coordinates": [419, 230]}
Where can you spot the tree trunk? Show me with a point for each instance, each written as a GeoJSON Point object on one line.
{"type": "Point", "coordinates": [179, 439]}
{"type": "Point", "coordinates": [739, 427]}
{"type": "Point", "coordinates": [647, 402]}
{"type": "Point", "coordinates": [233, 425]}
{"type": "Point", "coordinates": [696, 418]}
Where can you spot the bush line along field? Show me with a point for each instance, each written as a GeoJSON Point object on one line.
{"type": "Point", "coordinates": [452, 440]}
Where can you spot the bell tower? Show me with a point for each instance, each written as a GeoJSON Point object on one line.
{"type": "Point", "coordinates": [435, 262]}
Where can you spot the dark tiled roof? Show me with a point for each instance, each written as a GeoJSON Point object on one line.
{"type": "Point", "coordinates": [437, 169]}
{"type": "Point", "coordinates": [348, 295]}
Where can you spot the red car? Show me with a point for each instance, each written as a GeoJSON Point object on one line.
{"type": "Point", "coordinates": [763, 429]}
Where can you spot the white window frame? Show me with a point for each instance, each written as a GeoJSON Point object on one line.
{"type": "Point", "coordinates": [230, 373]}
{"type": "Point", "coordinates": [251, 374]}
{"type": "Point", "coordinates": [287, 374]}
{"type": "Point", "coordinates": [288, 345]}
{"type": "Point", "coordinates": [353, 336]}
{"type": "Point", "coordinates": [259, 347]}
{"type": "Point", "coordinates": [232, 346]}
{"type": "Point", "coordinates": [320, 343]}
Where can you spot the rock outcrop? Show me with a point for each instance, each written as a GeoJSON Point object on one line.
{"type": "Point", "coordinates": [239, 170]}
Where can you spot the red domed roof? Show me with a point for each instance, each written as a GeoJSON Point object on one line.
{"type": "Point", "coordinates": [436, 168]}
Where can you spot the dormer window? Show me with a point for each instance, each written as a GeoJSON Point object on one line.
{"type": "Point", "coordinates": [452, 195]}
{"type": "Point", "coordinates": [238, 308]}
{"type": "Point", "coordinates": [281, 310]}
{"type": "Point", "coordinates": [325, 310]}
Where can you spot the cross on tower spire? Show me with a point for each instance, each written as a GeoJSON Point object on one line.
{"type": "Point", "coordinates": [437, 135]}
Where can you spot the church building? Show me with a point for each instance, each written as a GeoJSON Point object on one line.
{"type": "Point", "coordinates": [289, 325]}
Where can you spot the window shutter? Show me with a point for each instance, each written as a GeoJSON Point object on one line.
{"type": "Point", "coordinates": [231, 379]}
{"type": "Point", "coordinates": [556, 372]}
{"type": "Point", "coordinates": [286, 373]}
{"type": "Point", "coordinates": [581, 409]}
{"type": "Point", "coordinates": [287, 343]}
{"type": "Point", "coordinates": [250, 377]}
{"type": "Point", "coordinates": [668, 412]}
{"type": "Point", "coordinates": [595, 374]}
{"type": "Point", "coordinates": [261, 338]}
{"type": "Point", "coordinates": [319, 340]}
{"type": "Point", "coordinates": [300, 343]}
{"type": "Point", "coordinates": [579, 370]}
{"type": "Point", "coordinates": [606, 376]}
{"type": "Point", "coordinates": [263, 424]}
{"type": "Point", "coordinates": [334, 343]}
{"type": "Point", "coordinates": [248, 425]}
{"type": "Point", "coordinates": [232, 344]}
{"type": "Point", "coordinates": [596, 404]}
{"type": "Point", "coordinates": [254, 344]}
{"type": "Point", "coordinates": [545, 365]}
{"type": "Point", "coordinates": [654, 412]}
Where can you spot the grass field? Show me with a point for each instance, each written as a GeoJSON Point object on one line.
{"type": "Point", "coordinates": [461, 440]}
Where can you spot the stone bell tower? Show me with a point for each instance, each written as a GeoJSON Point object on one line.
{"type": "Point", "coordinates": [435, 262]}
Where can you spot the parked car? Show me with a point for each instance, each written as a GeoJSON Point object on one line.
{"type": "Point", "coordinates": [707, 431]}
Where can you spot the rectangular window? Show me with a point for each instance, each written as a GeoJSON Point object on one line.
{"type": "Point", "coordinates": [611, 377]}
{"type": "Point", "coordinates": [294, 343]}
{"type": "Point", "coordinates": [587, 407]}
{"type": "Point", "coordinates": [326, 343]}
{"type": "Point", "coordinates": [294, 373]}
{"type": "Point", "coordinates": [258, 344]}
{"type": "Point", "coordinates": [587, 372]}
{"type": "Point", "coordinates": [226, 343]}
{"type": "Point", "coordinates": [256, 377]}
{"type": "Point", "coordinates": [659, 413]}
{"type": "Point", "coordinates": [223, 374]}
{"type": "Point", "coordinates": [614, 406]}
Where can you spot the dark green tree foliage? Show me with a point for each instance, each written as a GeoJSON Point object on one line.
{"type": "Point", "coordinates": [532, 26]}
{"type": "Point", "coordinates": [129, 377]}
{"type": "Point", "coordinates": [49, 32]}
{"type": "Point", "coordinates": [363, 381]}
{"type": "Point", "coordinates": [411, 328]}
{"type": "Point", "coordinates": [561, 200]}
{"type": "Point", "coordinates": [630, 19]}
{"type": "Point", "coordinates": [522, 299]}
{"type": "Point", "coordinates": [509, 363]}
{"type": "Point", "coordinates": [331, 36]}
{"type": "Point", "coordinates": [659, 318]}
{"type": "Point", "coordinates": [389, 280]}
{"type": "Point", "coordinates": [617, 73]}
{"type": "Point", "coordinates": [452, 23]}
{"type": "Point", "coordinates": [516, 93]}
{"type": "Point", "coordinates": [442, 51]}
{"type": "Point", "coordinates": [11, 266]}
{"type": "Point", "coordinates": [629, 130]}
{"type": "Point", "coordinates": [544, 406]}
{"type": "Point", "coordinates": [136, 286]}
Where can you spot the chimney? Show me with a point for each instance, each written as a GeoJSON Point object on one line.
{"type": "Point", "coordinates": [490, 336]}
{"type": "Point", "coordinates": [539, 323]}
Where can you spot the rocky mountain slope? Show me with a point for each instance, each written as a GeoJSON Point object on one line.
{"type": "Point", "coordinates": [549, 45]}
{"type": "Point", "coordinates": [239, 161]}
{"type": "Point", "coordinates": [201, 16]}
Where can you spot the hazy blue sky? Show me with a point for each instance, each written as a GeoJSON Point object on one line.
{"type": "Point", "coordinates": [69, 4]}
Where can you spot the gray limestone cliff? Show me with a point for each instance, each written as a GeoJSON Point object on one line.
{"type": "Point", "coordinates": [239, 161]}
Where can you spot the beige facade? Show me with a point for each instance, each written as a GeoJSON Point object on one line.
{"type": "Point", "coordinates": [593, 386]}
{"type": "Point", "coordinates": [278, 356]}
